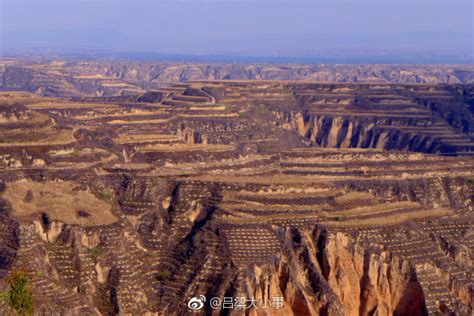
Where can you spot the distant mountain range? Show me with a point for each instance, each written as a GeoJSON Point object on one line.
{"type": "Point", "coordinates": [113, 77]}
{"type": "Point", "coordinates": [413, 47]}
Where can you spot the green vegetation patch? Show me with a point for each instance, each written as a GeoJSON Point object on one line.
{"type": "Point", "coordinates": [20, 296]}
{"type": "Point", "coordinates": [105, 196]}
{"type": "Point", "coordinates": [95, 252]}
{"type": "Point", "coordinates": [162, 275]}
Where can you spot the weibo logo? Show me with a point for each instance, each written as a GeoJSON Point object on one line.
{"type": "Point", "coordinates": [196, 303]}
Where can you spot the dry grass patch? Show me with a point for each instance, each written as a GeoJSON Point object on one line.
{"type": "Point", "coordinates": [186, 147]}
{"type": "Point", "coordinates": [390, 220]}
{"type": "Point", "coordinates": [77, 152]}
{"type": "Point", "coordinates": [137, 122]}
{"type": "Point", "coordinates": [374, 113]}
{"type": "Point", "coordinates": [33, 118]}
{"type": "Point", "coordinates": [94, 76]}
{"type": "Point", "coordinates": [11, 97]}
{"type": "Point", "coordinates": [207, 108]}
{"type": "Point", "coordinates": [378, 209]}
{"type": "Point", "coordinates": [269, 180]}
{"type": "Point", "coordinates": [133, 165]}
{"type": "Point", "coordinates": [209, 115]}
{"type": "Point", "coordinates": [354, 196]}
{"type": "Point", "coordinates": [116, 112]}
{"type": "Point", "coordinates": [287, 193]}
{"type": "Point", "coordinates": [251, 219]}
{"type": "Point", "coordinates": [69, 105]}
{"type": "Point", "coordinates": [60, 138]}
{"type": "Point", "coordinates": [275, 207]}
{"type": "Point", "coordinates": [344, 89]}
{"type": "Point", "coordinates": [141, 138]}
{"type": "Point", "coordinates": [62, 201]}
{"type": "Point", "coordinates": [118, 85]}
{"type": "Point", "coordinates": [221, 162]}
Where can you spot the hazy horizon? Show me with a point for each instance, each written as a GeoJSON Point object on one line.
{"type": "Point", "coordinates": [419, 29]}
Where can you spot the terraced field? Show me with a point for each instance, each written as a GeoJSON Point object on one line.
{"type": "Point", "coordinates": [338, 198]}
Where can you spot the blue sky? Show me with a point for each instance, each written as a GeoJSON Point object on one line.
{"type": "Point", "coordinates": [238, 26]}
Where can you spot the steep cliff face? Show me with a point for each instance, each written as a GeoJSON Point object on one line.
{"type": "Point", "coordinates": [371, 282]}
{"type": "Point", "coordinates": [347, 132]}
{"type": "Point", "coordinates": [296, 276]}
{"type": "Point", "coordinates": [459, 112]}
{"type": "Point", "coordinates": [331, 274]}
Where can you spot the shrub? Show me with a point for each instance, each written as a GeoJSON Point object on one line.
{"type": "Point", "coordinates": [95, 252]}
{"type": "Point", "coordinates": [105, 196]}
{"type": "Point", "coordinates": [19, 295]}
{"type": "Point", "coordinates": [162, 275]}
{"type": "Point", "coordinates": [3, 295]}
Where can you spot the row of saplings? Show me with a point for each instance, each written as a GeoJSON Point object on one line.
{"type": "Point", "coordinates": [19, 296]}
